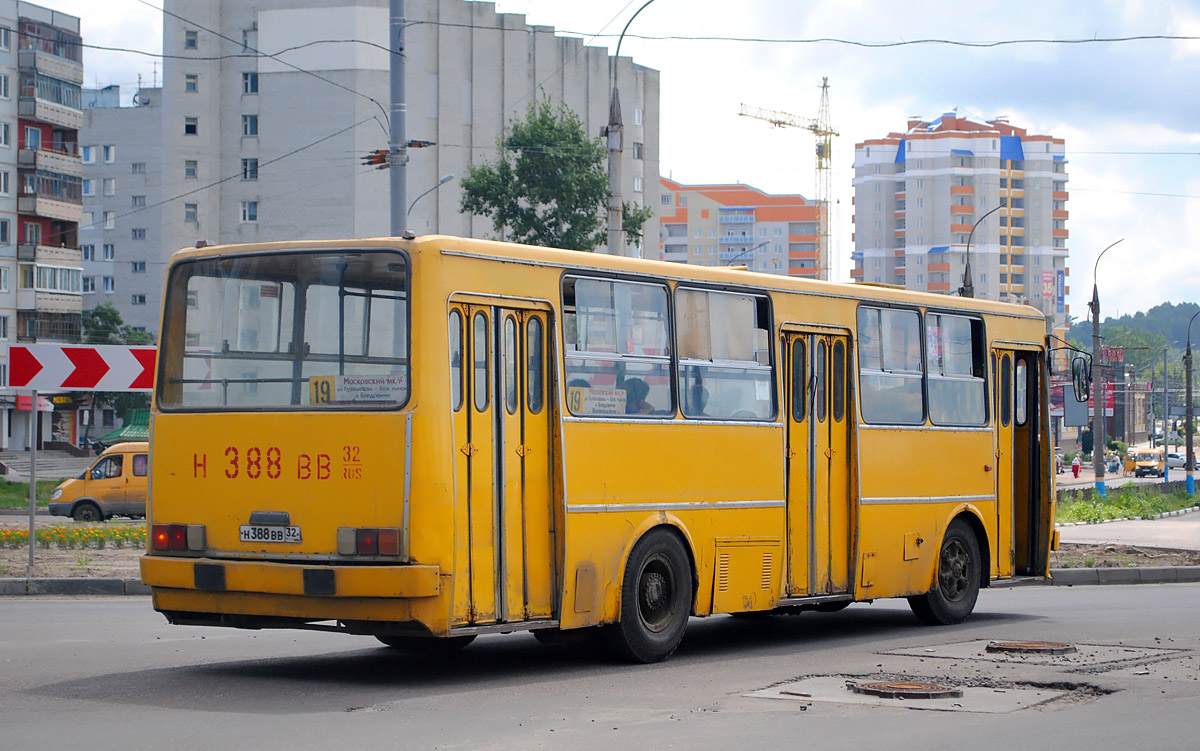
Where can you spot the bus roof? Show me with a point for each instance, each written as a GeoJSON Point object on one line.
{"type": "Point", "coordinates": [573, 259]}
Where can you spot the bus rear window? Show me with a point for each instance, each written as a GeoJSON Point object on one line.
{"type": "Point", "coordinates": [307, 329]}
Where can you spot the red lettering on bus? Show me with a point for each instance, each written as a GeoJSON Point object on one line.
{"type": "Point", "coordinates": [200, 465]}
{"type": "Point", "coordinates": [322, 466]}
{"type": "Point", "coordinates": [303, 467]}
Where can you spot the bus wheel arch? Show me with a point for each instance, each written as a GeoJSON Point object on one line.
{"type": "Point", "coordinates": [658, 589]}
{"type": "Point", "coordinates": [958, 573]}
{"type": "Point", "coordinates": [87, 510]}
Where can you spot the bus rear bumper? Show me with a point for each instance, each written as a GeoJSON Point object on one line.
{"type": "Point", "coordinates": [260, 577]}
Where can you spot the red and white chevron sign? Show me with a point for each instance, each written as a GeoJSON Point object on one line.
{"type": "Point", "coordinates": [70, 367]}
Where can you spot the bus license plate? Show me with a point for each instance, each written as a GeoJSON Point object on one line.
{"type": "Point", "coordinates": [261, 533]}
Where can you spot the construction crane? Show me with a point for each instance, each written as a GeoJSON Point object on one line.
{"type": "Point", "coordinates": [821, 128]}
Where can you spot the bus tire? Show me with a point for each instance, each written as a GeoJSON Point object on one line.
{"type": "Point", "coordinates": [957, 587]}
{"type": "Point", "coordinates": [87, 512]}
{"type": "Point", "coordinates": [656, 599]}
{"type": "Point", "coordinates": [441, 645]}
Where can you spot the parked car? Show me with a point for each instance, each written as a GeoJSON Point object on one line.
{"type": "Point", "coordinates": [1176, 461]}
{"type": "Point", "coordinates": [115, 485]}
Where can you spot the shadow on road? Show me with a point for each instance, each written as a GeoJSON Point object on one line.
{"type": "Point", "coordinates": [354, 679]}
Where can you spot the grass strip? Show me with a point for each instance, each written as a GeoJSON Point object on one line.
{"type": "Point", "coordinates": [1125, 502]}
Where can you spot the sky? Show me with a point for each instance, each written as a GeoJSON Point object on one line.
{"type": "Point", "coordinates": [1129, 112]}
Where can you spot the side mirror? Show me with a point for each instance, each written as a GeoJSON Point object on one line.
{"type": "Point", "coordinates": [1081, 378]}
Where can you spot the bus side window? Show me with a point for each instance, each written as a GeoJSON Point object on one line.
{"type": "Point", "coordinates": [456, 357]}
{"type": "Point", "coordinates": [839, 381]}
{"type": "Point", "coordinates": [480, 376]}
{"type": "Point", "coordinates": [799, 380]}
{"type": "Point", "coordinates": [510, 364]}
{"type": "Point", "coordinates": [1005, 390]}
{"type": "Point", "coordinates": [822, 398]}
{"type": "Point", "coordinates": [533, 377]}
{"type": "Point", "coordinates": [1020, 400]}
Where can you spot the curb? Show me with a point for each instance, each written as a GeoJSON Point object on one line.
{"type": "Point", "coordinates": [1069, 577]}
{"type": "Point", "coordinates": [48, 586]}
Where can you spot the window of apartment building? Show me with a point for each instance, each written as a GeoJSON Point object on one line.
{"type": "Point", "coordinates": [138, 233]}
{"type": "Point", "coordinates": [683, 199]}
{"type": "Point", "coordinates": [33, 138]}
{"type": "Point", "coordinates": [26, 272]}
{"type": "Point", "coordinates": [3, 232]}
{"type": "Point", "coordinates": [3, 327]}
{"type": "Point", "coordinates": [249, 125]}
{"type": "Point", "coordinates": [110, 186]}
{"type": "Point", "coordinates": [249, 211]}
{"type": "Point", "coordinates": [665, 199]}
{"type": "Point", "coordinates": [4, 87]}
{"type": "Point", "coordinates": [191, 83]}
{"type": "Point", "coordinates": [110, 154]}
{"type": "Point", "coordinates": [88, 252]}
{"type": "Point", "coordinates": [762, 231]}
{"type": "Point", "coordinates": [89, 284]}
{"type": "Point", "coordinates": [920, 183]}
{"type": "Point", "coordinates": [697, 233]}
{"type": "Point", "coordinates": [920, 278]}
{"type": "Point", "coordinates": [138, 267]}
{"type": "Point", "coordinates": [697, 249]}
{"type": "Point", "coordinates": [920, 202]}
{"type": "Point", "coordinates": [250, 38]}
{"type": "Point", "coordinates": [249, 169]}
{"type": "Point", "coordinates": [878, 187]}
{"type": "Point", "coordinates": [5, 38]}
{"type": "Point", "coordinates": [89, 188]}
{"type": "Point", "coordinates": [712, 250]}
{"type": "Point", "coordinates": [109, 287]}
{"type": "Point", "coordinates": [191, 126]}
{"type": "Point", "coordinates": [138, 168]}
{"type": "Point", "coordinates": [110, 251]}
{"type": "Point", "coordinates": [637, 116]}
{"type": "Point", "coordinates": [637, 150]}
{"type": "Point", "coordinates": [89, 154]}
{"type": "Point", "coordinates": [190, 169]}
{"type": "Point", "coordinates": [878, 225]}
{"type": "Point", "coordinates": [137, 299]}
{"type": "Point", "coordinates": [637, 185]}
{"type": "Point", "coordinates": [190, 213]}
{"type": "Point", "coordinates": [4, 184]}
{"type": "Point", "coordinates": [249, 83]}
{"type": "Point", "coordinates": [712, 233]}
{"type": "Point", "coordinates": [4, 134]}
{"type": "Point", "coordinates": [983, 278]}
{"type": "Point", "coordinates": [139, 202]}
{"type": "Point", "coordinates": [878, 206]}
{"type": "Point", "coordinates": [3, 280]}
{"type": "Point", "coordinates": [110, 220]}
{"type": "Point", "coordinates": [191, 40]}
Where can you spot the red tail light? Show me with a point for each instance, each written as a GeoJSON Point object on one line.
{"type": "Point", "coordinates": [367, 539]}
{"type": "Point", "coordinates": [389, 541]}
{"type": "Point", "coordinates": [176, 537]}
{"type": "Point", "coordinates": [158, 535]}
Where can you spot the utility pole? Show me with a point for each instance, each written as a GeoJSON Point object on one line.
{"type": "Point", "coordinates": [398, 141]}
{"type": "Point", "coordinates": [1166, 412]}
{"type": "Point", "coordinates": [1190, 456]}
{"type": "Point", "coordinates": [1098, 398]}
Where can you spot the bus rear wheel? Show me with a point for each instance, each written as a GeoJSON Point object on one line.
{"type": "Point", "coordinates": [957, 587]}
{"type": "Point", "coordinates": [656, 599]}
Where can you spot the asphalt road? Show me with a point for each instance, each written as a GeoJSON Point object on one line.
{"type": "Point", "coordinates": [110, 673]}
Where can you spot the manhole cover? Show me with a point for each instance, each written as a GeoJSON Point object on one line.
{"type": "Point", "coordinates": [892, 690]}
{"type": "Point", "coordinates": [1031, 647]}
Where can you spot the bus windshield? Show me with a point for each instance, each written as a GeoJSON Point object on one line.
{"type": "Point", "coordinates": [309, 329]}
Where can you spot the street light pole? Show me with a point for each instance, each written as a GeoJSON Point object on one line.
{"type": "Point", "coordinates": [1190, 456]}
{"type": "Point", "coordinates": [1098, 393]}
{"type": "Point", "coordinates": [398, 141]}
{"type": "Point", "coordinates": [445, 179]}
{"type": "Point", "coordinates": [968, 288]}
{"type": "Point", "coordinates": [615, 136]}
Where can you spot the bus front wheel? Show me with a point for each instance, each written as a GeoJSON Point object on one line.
{"type": "Point", "coordinates": [957, 587]}
{"type": "Point", "coordinates": [656, 599]}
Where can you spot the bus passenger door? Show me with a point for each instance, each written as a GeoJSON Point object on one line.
{"type": "Point", "coordinates": [503, 466]}
{"type": "Point", "coordinates": [1002, 377]}
{"type": "Point", "coordinates": [819, 504]}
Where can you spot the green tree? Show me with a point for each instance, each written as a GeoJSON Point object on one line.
{"type": "Point", "coordinates": [104, 324]}
{"type": "Point", "coordinates": [548, 185]}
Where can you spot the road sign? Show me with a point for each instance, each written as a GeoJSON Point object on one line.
{"type": "Point", "coordinates": [70, 367]}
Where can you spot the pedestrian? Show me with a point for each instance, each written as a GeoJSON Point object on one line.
{"type": "Point", "coordinates": [1075, 465]}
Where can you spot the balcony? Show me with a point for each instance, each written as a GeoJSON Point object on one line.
{"type": "Point", "coordinates": [961, 209]}
{"type": "Point", "coordinates": [743, 239]}
{"type": "Point", "coordinates": [51, 208]}
{"type": "Point", "coordinates": [1060, 194]}
{"type": "Point", "coordinates": [66, 161]}
{"type": "Point", "coordinates": [1059, 233]}
{"type": "Point", "coordinates": [856, 273]}
{"type": "Point", "coordinates": [962, 190]}
{"type": "Point", "coordinates": [933, 267]}
{"type": "Point", "coordinates": [961, 228]}
{"type": "Point", "coordinates": [49, 112]}
{"type": "Point", "coordinates": [939, 286]}
{"type": "Point", "coordinates": [736, 218]}
{"type": "Point", "coordinates": [1059, 214]}
{"type": "Point", "coordinates": [51, 65]}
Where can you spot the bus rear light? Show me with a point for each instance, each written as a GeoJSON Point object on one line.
{"type": "Point", "coordinates": [389, 541]}
{"type": "Point", "coordinates": [177, 536]}
{"type": "Point", "coordinates": [368, 541]}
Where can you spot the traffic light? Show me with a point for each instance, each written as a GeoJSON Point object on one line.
{"type": "Point", "coordinates": [377, 158]}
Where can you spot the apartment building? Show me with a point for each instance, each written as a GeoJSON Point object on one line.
{"type": "Point", "coordinates": [266, 110]}
{"type": "Point", "coordinates": [41, 72]}
{"type": "Point", "coordinates": [121, 236]}
{"type": "Point", "coordinates": [739, 225]}
{"type": "Point", "coordinates": [919, 194]}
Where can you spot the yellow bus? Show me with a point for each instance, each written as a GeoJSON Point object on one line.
{"type": "Point", "coordinates": [441, 437]}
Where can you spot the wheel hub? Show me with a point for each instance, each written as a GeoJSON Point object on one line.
{"type": "Point", "coordinates": [654, 592]}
